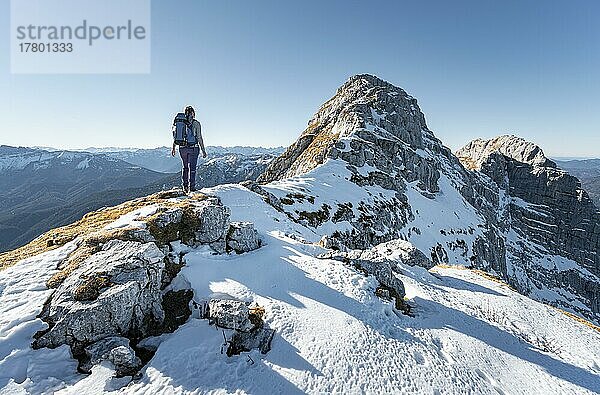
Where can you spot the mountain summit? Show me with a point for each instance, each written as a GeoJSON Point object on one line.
{"type": "Point", "coordinates": [357, 106]}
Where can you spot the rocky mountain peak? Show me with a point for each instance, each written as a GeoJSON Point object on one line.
{"type": "Point", "coordinates": [364, 105]}
{"type": "Point", "coordinates": [475, 153]}
{"type": "Point", "coordinates": [516, 214]}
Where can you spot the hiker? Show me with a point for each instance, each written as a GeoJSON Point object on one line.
{"type": "Point", "coordinates": [187, 134]}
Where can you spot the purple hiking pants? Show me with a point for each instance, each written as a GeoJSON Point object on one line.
{"type": "Point", "coordinates": [189, 160]}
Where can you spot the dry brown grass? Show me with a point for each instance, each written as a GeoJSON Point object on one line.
{"type": "Point", "coordinates": [578, 319]}
{"type": "Point", "coordinates": [90, 223]}
{"type": "Point", "coordinates": [256, 315]}
{"type": "Point", "coordinates": [468, 162]}
{"type": "Point", "coordinates": [493, 278]}
{"type": "Point", "coordinates": [316, 151]}
{"type": "Point", "coordinates": [481, 273]}
{"type": "Point", "coordinates": [91, 287]}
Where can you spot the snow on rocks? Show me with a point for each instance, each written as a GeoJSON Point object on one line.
{"type": "Point", "coordinates": [402, 251]}
{"type": "Point", "coordinates": [249, 330]}
{"type": "Point", "coordinates": [22, 297]}
{"type": "Point", "coordinates": [114, 292]}
{"type": "Point", "coordinates": [332, 333]}
{"type": "Point", "coordinates": [230, 314]}
{"type": "Point", "coordinates": [121, 285]}
{"type": "Point", "coordinates": [384, 270]}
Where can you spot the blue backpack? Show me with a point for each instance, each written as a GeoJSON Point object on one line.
{"type": "Point", "coordinates": [181, 125]}
{"type": "Point", "coordinates": [183, 132]}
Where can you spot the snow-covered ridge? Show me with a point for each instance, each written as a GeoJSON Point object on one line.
{"type": "Point", "coordinates": [156, 159]}
{"type": "Point", "coordinates": [14, 159]}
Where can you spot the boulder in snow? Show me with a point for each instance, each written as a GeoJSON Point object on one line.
{"type": "Point", "coordinates": [259, 338]}
{"type": "Point", "coordinates": [230, 314]}
{"type": "Point", "coordinates": [242, 237]}
{"type": "Point", "coordinates": [213, 221]}
{"type": "Point", "coordinates": [114, 349]}
{"type": "Point", "coordinates": [403, 251]}
{"type": "Point", "coordinates": [394, 252]}
{"type": "Point", "coordinates": [371, 263]}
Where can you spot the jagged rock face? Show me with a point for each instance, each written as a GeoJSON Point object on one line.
{"type": "Point", "coordinates": [549, 213]}
{"type": "Point", "coordinates": [368, 170]}
{"type": "Point", "coordinates": [126, 276]}
{"type": "Point", "coordinates": [368, 123]}
{"type": "Point", "coordinates": [378, 135]}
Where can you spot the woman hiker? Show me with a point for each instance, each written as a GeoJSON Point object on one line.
{"type": "Point", "coordinates": [187, 134]}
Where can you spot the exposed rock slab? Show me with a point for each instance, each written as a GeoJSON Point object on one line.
{"type": "Point", "coordinates": [128, 300]}
{"type": "Point", "coordinates": [213, 221]}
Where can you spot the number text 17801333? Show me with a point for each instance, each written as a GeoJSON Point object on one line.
{"type": "Point", "coordinates": [45, 47]}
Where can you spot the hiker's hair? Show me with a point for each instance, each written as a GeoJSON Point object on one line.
{"type": "Point", "coordinates": [189, 110]}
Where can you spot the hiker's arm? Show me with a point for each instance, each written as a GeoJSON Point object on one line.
{"type": "Point", "coordinates": [173, 149]}
{"type": "Point", "coordinates": [200, 141]}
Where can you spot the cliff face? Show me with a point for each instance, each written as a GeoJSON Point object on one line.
{"type": "Point", "coordinates": [368, 170]}
{"type": "Point", "coordinates": [548, 212]}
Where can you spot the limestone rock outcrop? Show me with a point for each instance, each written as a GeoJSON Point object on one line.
{"type": "Point", "coordinates": [115, 292]}
{"type": "Point", "coordinates": [114, 349]}
{"type": "Point", "coordinates": [550, 214]}
{"type": "Point", "coordinates": [112, 290]}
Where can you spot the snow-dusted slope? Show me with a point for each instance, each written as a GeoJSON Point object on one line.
{"type": "Point", "coordinates": [469, 334]}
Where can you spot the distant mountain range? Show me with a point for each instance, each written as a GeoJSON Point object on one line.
{"type": "Point", "coordinates": [160, 159]}
{"type": "Point", "coordinates": [41, 189]}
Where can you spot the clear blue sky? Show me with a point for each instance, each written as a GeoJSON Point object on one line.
{"type": "Point", "coordinates": [258, 70]}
